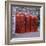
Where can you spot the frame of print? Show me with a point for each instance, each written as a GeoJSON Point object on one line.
{"type": "Point", "coordinates": [21, 34]}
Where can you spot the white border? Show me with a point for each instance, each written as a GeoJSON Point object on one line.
{"type": "Point", "coordinates": [17, 40]}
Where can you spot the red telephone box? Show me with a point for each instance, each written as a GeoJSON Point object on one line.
{"type": "Point", "coordinates": [35, 23]}
{"type": "Point", "coordinates": [17, 22]}
{"type": "Point", "coordinates": [22, 23]}
{"type": "Point", "coordinates": [31, 23]}
{"type": "Point", "coordinates": [27, 16]}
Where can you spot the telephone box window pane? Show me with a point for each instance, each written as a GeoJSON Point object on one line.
{"type": "Point", "coordinates": [25, 21]}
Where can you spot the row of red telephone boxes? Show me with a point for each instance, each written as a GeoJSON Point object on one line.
{"type": "Point", "coordinates": [26, 23]}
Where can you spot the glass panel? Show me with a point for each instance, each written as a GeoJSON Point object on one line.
{"type": "Point", "coordinates": [25, 21]}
